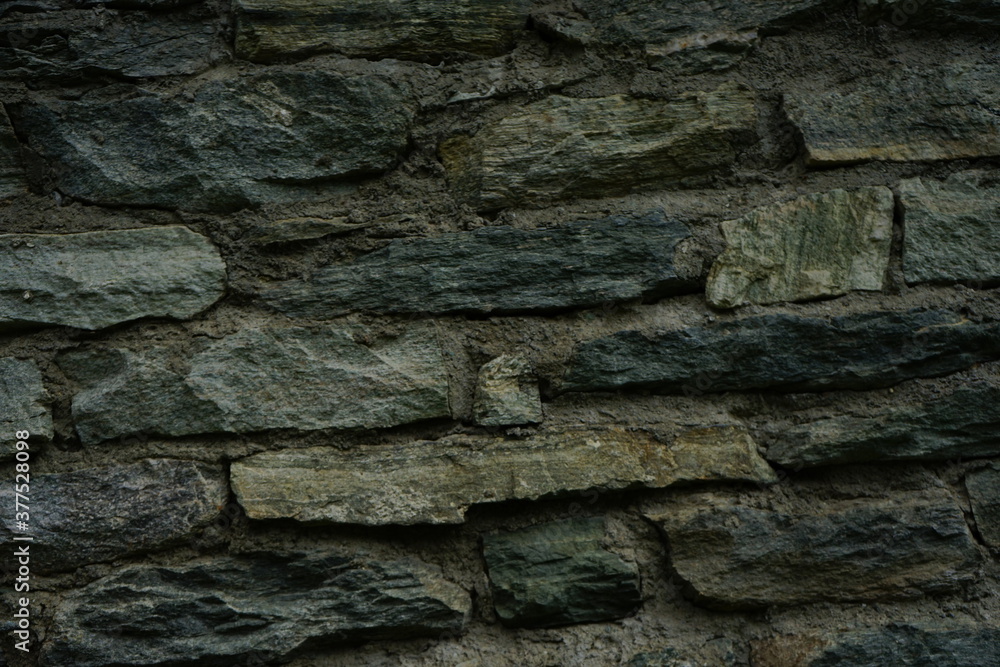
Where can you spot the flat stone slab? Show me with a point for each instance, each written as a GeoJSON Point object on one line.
{"type": "Point", "coordinates": [98, 514]}
{"type": "Point", "coordinates": [964, 424]}
{"type": "Point", "coordinates": [952, 228]}
{"type": "Point", "coordinates": [265, 607]}
{"type": "Point", "coordinates": [946, 116]}
{"type": "Point", "coordinates": [736, 556]}
{"type": "Point", "coordinates": [983, 486]}
{"type": "Point", "coordinates": [96, 279]}
{"type": "Point", "coordinates": [814, 246]}
{"type": "Point", "coordinates": [558, 573]}
{"type": "Point", "coordinates": [787, 352]}
{"type": "Point", "coordinates": [259, 379]}
{"type": "Point", "coordinates": [437, 481]}
{"type": "Point", "coordinates": [562, 147]}
{"type": "Point", "coordinates": [24, 405]}
{"type": "Point", "coordinates": [499, 270]}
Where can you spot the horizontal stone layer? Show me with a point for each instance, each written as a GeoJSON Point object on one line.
{"type": "Point", "coordinates": [12, 181]}
{"type": "Point", "coordinates": [23, 405]}
{"type": "Point", "coordinates": [259, 379]}
{"type": "Point", "coordinates": [93, 280]}
{"type": "Point", "coordinates": [437, 481]}
{"type": "Point", "coordinates": [498, 269]}
{"type": "Point", "coordinates": [787, 352]}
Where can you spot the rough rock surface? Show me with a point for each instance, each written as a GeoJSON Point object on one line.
{"type": "Point", "coordinates": [936, 113]}
{"type": "Point", "coordinates": [300, 229]}
{"type": "Point", "coordinates": [264, 607]}
{"type": "Point", "coordinates": [558, 573]}
{"type": "Point", "coordinates": [98, 514]}
{"type": "Point", "coordinates": [952, 228]}
{"type": "Point", "coordinates": [984, 492]}
{"type": "Point", "coordinates": [259, 379]}
{"type": "Point", "coordinates": [12, 181]}
{"type": "Point", "coordinates": [562, 147]}
{"type": "Point", "coordinates": [96, 279]}
{"type": "Point", "coordinates": [736, 556]}
{"type": "Point", "coordinates": [499, 269]}
{"type": "Point", "coordinates": [719, 652]}
{"type": "Point", "coordinates": [436, 481]}
{"type": "Point", "coordinates": [23, 404]}
{"type": "Point", "coordinates": [964, 424]}
{"type": "Point", "coordinates": [507, 393]}
{"type": "Point", "coordinates": [270, 137]}
{"type": "Point", "coordinates": [786, 352]}
{"type": "Point", "coordinates": [934, 14]}
{"type": "Point", "coordinates": [426, 30]}
{"type": "Point", "coordinates": [818, 245]}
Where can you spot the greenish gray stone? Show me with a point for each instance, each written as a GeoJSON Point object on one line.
{"type": "Point", "coordinates": [499, 269]}
{"type": "Point", "coordinates": [261, 607]}
{"type": "Point", "coordinates": [786, 352]}
{"type": "Point", "coordinates": [98, 514]}
{"type": "Point", "coordinates": [963, 424]}
{"type": "Point", "coordinates": [558, 573]}
{"type": "Point", "coordinates": [952, 228]}
{"type": "Point", "coordinates": [507, 393]}
{"type": "Point", "coordinates": [437, 481]}
{"type": "Point", "coordinates": [259, 379]}
{"type": "Point", "coordinates": [426, 30]}
{"type": "Point", "coordinates": [23, 405]}
{"type": "Point", "coordinates": [561, 147]}
{"type": "Point", "coordinates": [902, 114]}
{"type": "Point", "coordinates": [984, 492]}
{"type": "Point", "coordinates": [93, 280]}
{"type": "Point", "coordinates": [12, 182]}
{"type": "Point", "coordinates": [713, 653]}
{"type": "Point", "coordinates": [814, 246]}
{"type": "Point", "coordinates": [275, 136]}
{"type": "Point", "coordinates": [933, 14]}
{"type": "Point", "coordinates": [300, 229]}
{"type": "Point", "coordinates": [735, 556]}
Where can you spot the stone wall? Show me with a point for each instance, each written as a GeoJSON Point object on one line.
{"type": "Point", "coordinates": [501, 332]}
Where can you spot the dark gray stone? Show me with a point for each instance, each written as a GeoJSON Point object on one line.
{"type": "Point", "coordinates": [499, 269]}
{"type": "Point", "coordinates": [557, 574]}
{"type": "Point", "coordinates": [984, 492]}
{"type": "Point", "coordinates": [23, 405]}
{"type": "Point", "coordinates": [259, 379]}
{"type": "Point", "coordinates": [228, 611]}
{"type": "Point", "coordinates": [786, 352]}
{"type": "Point", "coordinates": [933, 14]}
{"type": "Point", "coordinates": [12, 181]}
{"type": "Point", "coordinates": [713, 653]}
{"type": "Point", "coordinates": [735, 556]}
{"type": "Point", "coordinates": [96, 279]}
{"type": "Point", "coordinates": [964, 424]}
{"type": "Point", "coordinates": [99, 514]}
{"type": "Point", "coordinates": [277, 136]}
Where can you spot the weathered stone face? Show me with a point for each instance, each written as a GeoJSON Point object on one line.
{"type": "Point", "coordinates": [226, 611]}
{"type": "Point", "coordinates": [12, 181]}
{"type": "Point", "coordinates": [940, 113]}
{"type": "Point", "coordinates": [95, 279]}
{"type": "Point", "coordinates": [952, 228]}
{"type": "Point", "coordinates": [437, 481]}
{"type": "Point", "coordinates": [557, 574]}
{"type": "Point", "coordinates": [99, 514]}
{"type": "Point", "coordinates": [964, 424]}
{"type": "Point", "coordinates": [300, 229]}
{"type": "Point", "coordinates": [786, 352]}
{"type": "Point", "coordinates": [814, 246]}
{"type": "Point", "coordinates": [562, 147]}
{"type": "Point", "coordinates": [278, 136]}
{"type": "Point", "coordinates": [736, 556]}
{"type": "Point", "coordinates": [933, 13]}
{"type": "Point", "coordinates": [499, 269]}
{"type": "Point", "coordinates": [984, 492]}
{"type": "Point", "coordinates": [260, 379]}
{"type": "Point", "coordinates": [507, 393]}
{"type": "Point", "coordinates": [23, 405]}
{"type": "Point", "coordinates": [426, 30]}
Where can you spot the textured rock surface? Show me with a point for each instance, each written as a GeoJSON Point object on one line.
{"type": "Point", "coordinates": [12, 181]}
{"type": "Point", "coordinates": [984, 492]}
{"type": "Point", "coordinates": [937, 113]}
{"type": "Point", "coordinates": [933, 13]}
{"type": "Point", "coordinates": [952, 228]}
{"type": "Point", "coordinates": [23, 404]}
{"type": "Point", "coordinates": [98, 514]}
{"type": "Point", "coordinates": [558, 573]}
{"type": "Point", "coordinates": [258, 379]}
{"type": "Point", "coordinates": [300, 229]}
{"type": "Point", "coordinates": [227, 611]}
{"type": "Point", "coordinates": [96, 279]}
{"type": "Point", "coordinates": [787, 352]}
{"type": "Point", "coordinates": [435, 482]}
{"type": "Point", "coordinates": [964, 424]}
{"type": "Point", "coordinates": [499, 269]}
{"type": "Point", "coordinates": [426, 30]}
{"type": "Point", "coordinates": [714, 653]}
{"type": "Point", "coordinates": [276, 136]}
{"type": "Point", "coordinates": [735, 556]}
{"type": "Point", "coordinates": [562, 147]}
{"type": "Point", "coordinates": [507, 393]}
{"type": "Point", "coordinates": [818, 245]}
